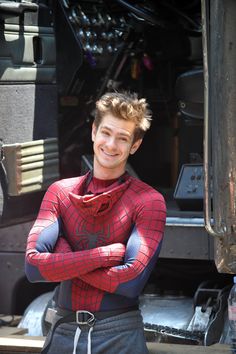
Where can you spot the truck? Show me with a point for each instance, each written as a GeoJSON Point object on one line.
{"type": "Point", "coordinates": [56, 59]}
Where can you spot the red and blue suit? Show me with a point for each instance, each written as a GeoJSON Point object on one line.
{"type": "Point", "coordinates": [99, 239]}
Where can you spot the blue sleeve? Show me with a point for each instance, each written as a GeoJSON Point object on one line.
{"type": "Point", "coordinates": [46, 241]}
{"type": "Point", "coordinates": [134, 287]}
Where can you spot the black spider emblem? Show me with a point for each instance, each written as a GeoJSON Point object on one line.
{"type": "Point", "coordinates": [89, 240]}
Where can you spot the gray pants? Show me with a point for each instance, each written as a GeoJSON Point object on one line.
{"type": "Point", "coordinates": [121, 334]}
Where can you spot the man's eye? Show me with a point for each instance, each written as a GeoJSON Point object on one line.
{"type": "Point", "coordinates": [124, 139]}
{"type": "Point", "coordinates": [105, 133]}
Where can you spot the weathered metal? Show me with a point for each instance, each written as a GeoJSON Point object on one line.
{"type": "Point", "coordinates": [219, 30]}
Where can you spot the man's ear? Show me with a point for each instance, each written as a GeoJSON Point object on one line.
{"type": "Point", "coordinates": [135, 146]}
{"type": "Point", "coordinates": [94, 131]}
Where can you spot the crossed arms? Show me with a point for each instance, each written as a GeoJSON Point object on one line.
{"type": "Point", "coordinates": [114, 268]}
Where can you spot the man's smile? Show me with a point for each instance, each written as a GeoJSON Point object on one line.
{"type": "Point", "coordinates": [108, 153]}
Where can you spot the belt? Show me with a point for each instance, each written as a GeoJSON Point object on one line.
{"type": "Point", "coordinates": [82, 318]}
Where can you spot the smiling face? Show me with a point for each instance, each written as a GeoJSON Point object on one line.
{"type": "Point", "coordinates": [113, 141]}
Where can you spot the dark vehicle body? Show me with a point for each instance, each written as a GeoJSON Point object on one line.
{"type": "Point", "coordinates": [56, 59]}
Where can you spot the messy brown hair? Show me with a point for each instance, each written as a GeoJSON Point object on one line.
{"type": "Point", "coordinates": [127, 106]}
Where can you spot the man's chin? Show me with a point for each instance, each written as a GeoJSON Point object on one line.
{"type": "Point", "coordinates": [108, 161]}
{"type": "Point", "coordinates": [110, 165]}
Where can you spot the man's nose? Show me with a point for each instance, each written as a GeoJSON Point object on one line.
{"type": "Point", "coordinates": [111, 143]}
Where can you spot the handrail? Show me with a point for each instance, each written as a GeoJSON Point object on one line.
{"type": "Point", "coordinates": [17, 8]}
{"type": "Point", "coordinates": [207, 133]}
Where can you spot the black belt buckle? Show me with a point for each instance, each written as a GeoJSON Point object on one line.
{"type": "Point", "coordinates": [85, 318]}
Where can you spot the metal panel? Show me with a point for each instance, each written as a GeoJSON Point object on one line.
{"type": "Point", "coordinates": [13, 238]}
{"type": "Point", "coordinates": [28, 56]}
{"type": "Point", "coordinates": [31, 166]}
{"type": "Point", "coordinates": [12, 270]}
{"type": "Point", "coordinates": [187, 239]}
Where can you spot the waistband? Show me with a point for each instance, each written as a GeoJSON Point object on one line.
{"type": "Point", "coordinates": [87, 316]}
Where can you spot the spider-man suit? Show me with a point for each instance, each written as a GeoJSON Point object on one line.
{"type": "Point", "coordinates": [79, 236]}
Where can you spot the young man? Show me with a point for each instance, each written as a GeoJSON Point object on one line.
{"type": "Point", "coordinates": [100, 236]}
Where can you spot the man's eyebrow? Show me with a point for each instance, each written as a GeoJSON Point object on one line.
{"type": "Point", "coordinates": [105, 127]}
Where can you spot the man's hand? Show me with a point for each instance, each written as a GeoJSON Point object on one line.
{"type": "Point", "coordinates": [62, 246]}
{"type": "Point", "coordinates": [115, 251]}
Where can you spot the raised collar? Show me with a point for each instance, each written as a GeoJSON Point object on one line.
{"type": "Point", "coordinates": [96, 205]}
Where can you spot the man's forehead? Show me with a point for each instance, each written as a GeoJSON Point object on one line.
{"type": "Point", "coordinates": [119, 130]}
{"type": "Point", "coordinates": [119, 125]}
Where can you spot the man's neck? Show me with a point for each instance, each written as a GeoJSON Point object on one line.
{"type": "Point", "coordinates": [106, 174]}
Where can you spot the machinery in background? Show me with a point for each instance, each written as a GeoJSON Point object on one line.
{"type": "Point", "coordinates": [56, 59]}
